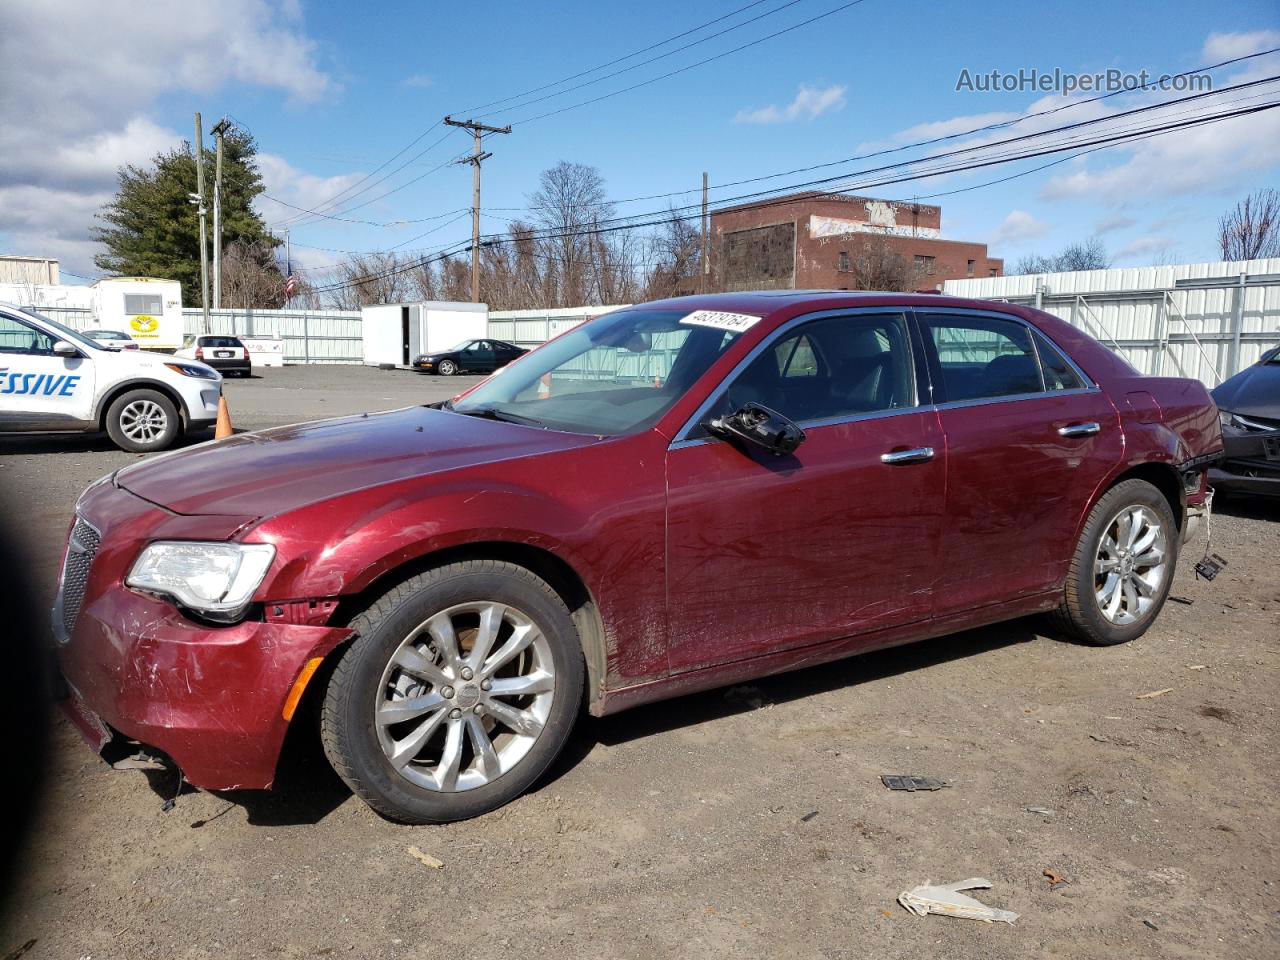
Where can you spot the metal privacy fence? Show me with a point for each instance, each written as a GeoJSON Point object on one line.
{"type": "Point", "coordinates": [310, 336]}
{"type": "Point", "coordinates": [1202, 320]}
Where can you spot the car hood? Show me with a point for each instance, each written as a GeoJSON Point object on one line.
{"type": "Point", "coordinates": [1254, 391]}
{"type": "Point", "coordinates": [273, 471]}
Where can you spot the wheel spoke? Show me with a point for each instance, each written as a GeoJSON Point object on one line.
{"type": "Point", "coordinates": [1109, 588]}
{"type": "Point", "coordinates": [487, 635]}
{"type": "Point", "coordinates": [1143, 587]}
{"type": "Point", "coordinates": [1148, 538]}
{"type": "Point", "coordinates": [1124, 526]}
{"type": "Point", "coordinates": [441, 629]}
{"type": "Point", "coordinates": [411, 660]}
{"type": "Point", "coordinates": [1152, 558]}
{"type": "Point", "coordinates": [539, 682]}
{"type": "Point", "coordinates": [1116, 595]}
{"type": "Point", "coordinates": [398, 711]}
{"type": "Point", "coordinates": [490, 766]}
{"type": "Point", "coordinates": [1130, 597]}
{"type": "Point", "coordinates": [520, 638]}
{"type": "Point", "coordinates": [521, 721]}
{"type": "Point", "coordinates": [451, 757]}
{"type": "Point", "coordinates": [1137, 521]}
{"type": "Point", "coordinates": [408, 748]}
{"type": "Point", "coordinates": [1105, 566]}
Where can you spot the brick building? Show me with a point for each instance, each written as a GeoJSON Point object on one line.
{"type": "Point", "coordinates": [816, 241]}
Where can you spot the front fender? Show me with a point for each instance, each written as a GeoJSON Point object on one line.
{"type": "Point", "coordinates": [356, 545]}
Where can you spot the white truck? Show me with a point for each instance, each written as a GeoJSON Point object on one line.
{"type": "Point", "coordinates": [54, 380]}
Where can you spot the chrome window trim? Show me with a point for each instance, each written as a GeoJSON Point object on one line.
{"type": "Point", "coordinates": [682, 438]}
{"type": "Point", "coordinates": [923, 313]}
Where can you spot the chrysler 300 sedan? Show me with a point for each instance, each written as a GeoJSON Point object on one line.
{"type": "Point", "coordinates": [668, 498]}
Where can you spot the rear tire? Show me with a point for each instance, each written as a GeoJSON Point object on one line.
{"type": "Point", "coordinates": [142, 421]}
{"type": "Point", "coordinates": [424, 719]}
{"type": "Point", "coordinates": [1122, 568]}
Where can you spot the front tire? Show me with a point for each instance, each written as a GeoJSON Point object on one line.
{"type": "Point", "coordinates": [447, 368]}
{"type": "Point", "coordinates": [461, 687]}
{"type": "Point", "coordinates": [142, 421]}
{"type": "Point", "coordinates": [1122, 568]}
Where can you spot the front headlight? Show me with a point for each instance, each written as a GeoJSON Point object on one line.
{"type": "Point", "coordinates": [215, 579]}
{"type": "Point", "coordinates": [191, 370]}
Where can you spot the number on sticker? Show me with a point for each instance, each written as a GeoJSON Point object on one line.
{"type": "Point", "coordinates": [720, 320]}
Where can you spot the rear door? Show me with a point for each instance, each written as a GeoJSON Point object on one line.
{"type": "Point", "coordinates": [1029, 439]}
{"type": "Point", "coordinates": [767, 553]}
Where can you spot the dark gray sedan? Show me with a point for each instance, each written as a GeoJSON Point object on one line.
{"type": "Point", "coordinates": [1249, 407]}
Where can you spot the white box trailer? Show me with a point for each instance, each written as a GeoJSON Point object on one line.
{"type": "Point", "coordinates": [395, 333]}
{"type": "Point", "coordinates": [147, 309]}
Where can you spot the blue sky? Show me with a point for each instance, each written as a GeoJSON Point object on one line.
{"type": "Point", "coordinates": [332, 89]}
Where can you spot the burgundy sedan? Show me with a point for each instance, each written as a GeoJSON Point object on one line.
{"type": "Point", "coordinates": [668, 498]}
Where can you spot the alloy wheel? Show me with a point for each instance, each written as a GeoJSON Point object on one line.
{"type": "Point", "coordinates": [143, 421]}
{"type": "Point", "coordinates": [1131, 565]}
{"type": "Point", "coordinates": [465, 696]}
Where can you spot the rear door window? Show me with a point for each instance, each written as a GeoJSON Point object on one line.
{"type": "Point", "coordinates": [982, 357]}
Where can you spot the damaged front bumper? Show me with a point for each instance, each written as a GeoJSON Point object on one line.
{"type": "Point", "coordinates": [1250, 464]}
{"type": "Point", "coordinates": [210, 698]}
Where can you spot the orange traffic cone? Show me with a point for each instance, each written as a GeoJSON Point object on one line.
{"type": "Point", "coordinates": [223, 426]}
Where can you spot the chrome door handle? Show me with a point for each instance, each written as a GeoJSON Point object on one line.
{"type": "Point", "coordinates": [918, 455]}
{"type": "Point", "coordinates": [1079, 430]}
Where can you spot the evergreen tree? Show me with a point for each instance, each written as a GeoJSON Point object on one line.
{"type": "Point", "coordinates": [152, 228]}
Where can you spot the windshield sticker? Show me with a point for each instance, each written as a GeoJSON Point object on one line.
{"type": "Point", "coordinates": [733, 322]}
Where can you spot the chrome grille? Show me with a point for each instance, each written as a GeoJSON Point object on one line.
{"type": "Point", "coordinates": [81, 549]}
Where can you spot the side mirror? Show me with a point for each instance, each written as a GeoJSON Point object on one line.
{"type": "Point", "coordinates": [759, 425]}
{"type": "Point", "coordinates": [64, 349]}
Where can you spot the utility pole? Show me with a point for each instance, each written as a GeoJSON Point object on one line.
{"type": "Point", "coordinates": [706, 239]}
{"type": "Point", "coordinates": [217, 132]}
{"type": "Point", "coordinates": [477, 157]}
{"type": "Point", "coordinates": [198, 199]}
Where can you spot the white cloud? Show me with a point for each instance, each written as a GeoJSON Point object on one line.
{"type": "Point", "coordinates": [809, 102]}
{"type": "Point", "coordinates": [418, 80]}
{"type": "Point", "coordinates": [1152, 248]}
{"type": "Point", "coordinates": [79, 80]}
{"type": "Point", "coordinates": [1195, 160]}
{"type": "Point", "coordinates": [1229, 46]}
{"type": "Point", "coordinates": [1116, 222]}
{"type": "Point", "coordinates": [1018, 227]}
{"type": "Point", "coordinates": [297, 187]}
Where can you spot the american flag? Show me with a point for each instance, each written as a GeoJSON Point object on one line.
{"type": "Point", "coordinates": [290, 282]}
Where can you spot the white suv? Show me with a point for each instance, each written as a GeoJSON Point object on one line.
{"type": "Point", "coordinates": [53, 379]}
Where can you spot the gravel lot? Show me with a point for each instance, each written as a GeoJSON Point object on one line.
{"type": "Point", "coordinates": [742, 823]}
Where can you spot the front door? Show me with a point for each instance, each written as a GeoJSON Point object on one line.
{"type": "Point", "coordinates": [1029, 439]}
{"type": "Point", "coordinates": [40, 389]}
{"type": "Point", "coordinates": [767, 553]}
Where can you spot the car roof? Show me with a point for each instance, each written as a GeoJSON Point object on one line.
{"type": "Point", "coordinates": [765, 302]}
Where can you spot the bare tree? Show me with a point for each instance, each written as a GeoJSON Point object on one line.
{"type": "Point", "coordinates": [1088, 254]}
{"type": "Point", "coordinates": [569, 204]}
{"type": "Point", "coordinates": [251, 277]}
{"type": "Point", "coordinates": [370, 278]}
{"type": "Point", "coordinates": [1251, 229]}
{"type": "Point", "coordinates": [875, 265]}
{"type": "Point", "coordinates": [676, 259]}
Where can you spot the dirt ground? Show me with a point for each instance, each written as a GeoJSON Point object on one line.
{"type": "Point", "coordinates": [749, 822]}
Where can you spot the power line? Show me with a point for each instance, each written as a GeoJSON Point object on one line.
{"type": "Point", "coordinates": [645, 63]}
{"type": "Point", "coordinates": [602, 66]}
{"type": "Point", "coordinates": [941, 139]}
{"type": "Point", "coordinates": [685, 69]}
{"type": "Point", "coordinates": [1099, 142]}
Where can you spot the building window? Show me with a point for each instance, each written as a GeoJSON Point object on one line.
{"type": "Point", "coordinates": [993, 271]}
{"type": "Point", "coordinates": [969, 268]}
{"type": "Point", "coordinates": [924, 265]}
{"type": "Point", "coordinates": [844, 261]}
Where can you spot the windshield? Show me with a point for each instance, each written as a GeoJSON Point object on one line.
{"type": "Point", "coordinates": [79, 339]}
{"type": "Point", "coordinates": [458, 347]}
{"type": "Point", "coordinates": [615, 374]}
